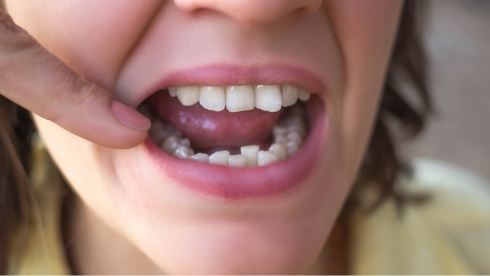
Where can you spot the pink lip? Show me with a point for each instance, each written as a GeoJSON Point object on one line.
{"type": "Point", "coordinates": [221, 75]}
{"type": "Point", "coordinates": [240, 183]}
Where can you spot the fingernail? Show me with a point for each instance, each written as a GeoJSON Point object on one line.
{"type": "Point", "coordinates": [129, 117]}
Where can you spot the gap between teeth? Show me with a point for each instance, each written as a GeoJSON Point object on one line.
{"type": "Point", "coordinates": [288, 137]}
{"type": "Point", "coordinates": [237, 98]}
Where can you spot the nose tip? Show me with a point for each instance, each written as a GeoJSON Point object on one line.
{"type": "Point", "coordinates": [252, 12]}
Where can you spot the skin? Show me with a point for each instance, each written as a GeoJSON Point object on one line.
{"type": "Point", "coordinates": [127, 209]}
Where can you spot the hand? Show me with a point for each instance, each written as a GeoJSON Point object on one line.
{"type": "Point", "coordinates": [35, 79]}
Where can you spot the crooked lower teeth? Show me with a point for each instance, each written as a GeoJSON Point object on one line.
{"type": "Point", "coordinates": [238, 98]}
{"type": "Point", "coordinates": [288, 137]}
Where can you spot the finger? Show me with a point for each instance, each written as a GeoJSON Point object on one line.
{"type": "Point", "coordinates": [38, 81]}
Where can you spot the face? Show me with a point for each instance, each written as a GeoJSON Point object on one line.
{"type": "Point", "coordinates": [243, 62]}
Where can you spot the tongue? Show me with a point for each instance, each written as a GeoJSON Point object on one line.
{"type": "Point", "coordinates": [210, 129]}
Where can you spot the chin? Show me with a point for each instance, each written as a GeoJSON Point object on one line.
{"type": "Point", "coordinates": [247, 244]}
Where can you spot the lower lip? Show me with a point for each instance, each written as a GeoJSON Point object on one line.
{"type": "Point", "coordinates": [242, 183]}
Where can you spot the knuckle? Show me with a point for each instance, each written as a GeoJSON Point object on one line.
{"type": "Point", "coordinates": [88, 93]}
{"type": "Point", "coordinates": [83, 97]}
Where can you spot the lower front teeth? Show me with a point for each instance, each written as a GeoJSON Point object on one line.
{"type": "Point", "coordinates": [219, 157]}
{"type": "Point", "coordinates": [288, 137]}
{"type": "Point", "coordinates": [266, 157]}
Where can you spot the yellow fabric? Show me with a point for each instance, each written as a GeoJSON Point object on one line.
{"type": "Point", "coordinates": [449, 235]}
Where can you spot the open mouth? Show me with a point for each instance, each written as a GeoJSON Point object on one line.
{"type": "Point", "coordinates": [236, 126]}
{"type": "Point", "coordinates": [236, 141]}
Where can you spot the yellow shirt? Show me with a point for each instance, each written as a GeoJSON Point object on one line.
{"type": "Point", "coordinates": [448, 235]}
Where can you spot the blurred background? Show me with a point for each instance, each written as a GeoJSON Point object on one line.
{"type": "Point", "coordinates": [458, 42]}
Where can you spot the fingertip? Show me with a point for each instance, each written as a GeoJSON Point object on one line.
{"type": "Point", "coordinates": [129, 117]}
{"type": "Point", "coordinates": [119, 138]}
{"type": "Point", "coordinates": [129, 141]}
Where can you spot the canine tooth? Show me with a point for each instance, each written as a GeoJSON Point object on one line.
{"type": "Point", "coordinates": [201, 157]}
{"type": "Point", "coordinates": [304, 95]}
{"type": "Point", "coordinates": [266, 157]}
{"type": "Point", "coordinates": [183, 152]}
{"type": "Point", "coordinates": [268, 97]}
{"type": "Point", "coordinates": [237, 160]}
{"type": "Point", "coordinates": [188, 95]}
{"type": "Point", "coordinates": [289, 95]}
{"type": "Point", "coordinates": [212, 98]}
{"type": "Point", "coordinates": [170, 144]}
{"type": "Point", "coordinates": [240, 98]}
{"type": "Point", "coordinates": [279, 150]}
{"type": "Point", "coordinates": [292, 148]}
{"type": "Point", "coordinates": [172, 91]}
{"type": "Point", "coordinates": [219, 157]}
{"type": "Point", "coordinates": [250, 152]}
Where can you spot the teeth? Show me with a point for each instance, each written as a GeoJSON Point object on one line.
{"type": "Point", "coordinates": [188, 95]}
{"type": "Point", "coordinates": [185, 142]}
{"type": "Point", "coordinates": [237, 160]}
{"type": "Point", "coordinates": [250, 153]}
{"type": "Point", "coordinates": [172, 91]}
{"type": "Point", "coordinates": [266, 157]}
{"type": "Point", "coordinates": [268, 98]}
{"type": "Point", "coordinates": [304, 95]}
{"type": "Point", "coordinates": [219, 157]}
{"type": "Point", "coordinates": [289, 95]}
{"type": "Point", "coordinates": [212, 98]}
{"type": "Point", "coordinates": [183, 152]}
{"type": "Point", "coordinates": [170, 143]}
{"type": "Point", "coordinates": [280, 131]}
{"type": "Point", "coordinates": [288, 137]}
{"type": "Point", "coordinates": [295, 137]}
{"type": "Point", "coordinates": [292, 147]}
{"type": "Point", "coordinates": [201, 157]}
{"type": "Point", "coordinates": [279, 150]}
{"type": "Point", "coordinates": [240, 98]}
{"type": "Point", "coordinates": [160, 131]}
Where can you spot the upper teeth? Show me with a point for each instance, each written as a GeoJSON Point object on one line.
{"type": "Point", "coordinates": [237, 98]}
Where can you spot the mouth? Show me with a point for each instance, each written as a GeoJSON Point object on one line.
{"type": "Point", "coordinates": [258, 137]}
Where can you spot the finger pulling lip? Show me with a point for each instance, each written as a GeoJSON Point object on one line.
{"type": "Point", "coordinates": [240, 183]}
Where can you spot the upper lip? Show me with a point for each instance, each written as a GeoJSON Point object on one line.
{"type": "Point", "coordinates": [228, 74]}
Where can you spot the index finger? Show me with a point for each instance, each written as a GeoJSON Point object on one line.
{"type": "Point", "coordinates": [35, 79]}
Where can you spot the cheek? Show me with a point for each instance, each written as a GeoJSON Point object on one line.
{"type": "Point", "coordinates": [93, 39]}
{"type": "Point", "coordinates": [365, 33]}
